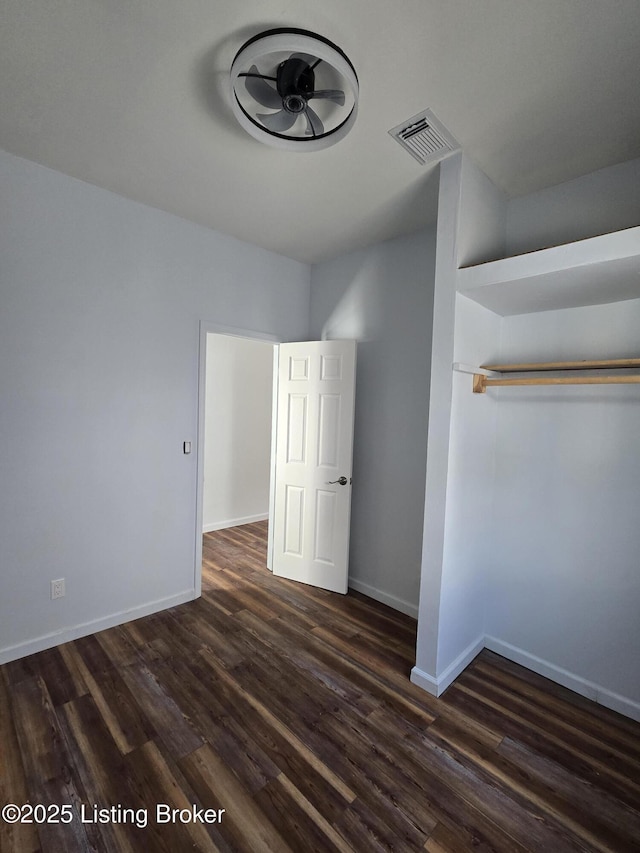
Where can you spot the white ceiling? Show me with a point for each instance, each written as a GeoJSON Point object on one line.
{"type": "Point", "coordinates": [132, 96]}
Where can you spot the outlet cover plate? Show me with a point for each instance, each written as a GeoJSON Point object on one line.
{"type": "Point", "coordinates": [58, 588]}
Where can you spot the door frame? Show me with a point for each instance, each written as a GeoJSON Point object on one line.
{"type": "Point", "coordinates": [207, 328]}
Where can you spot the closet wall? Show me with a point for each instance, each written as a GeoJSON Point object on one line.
{"type": "Point", "coordinates": [564, 585]}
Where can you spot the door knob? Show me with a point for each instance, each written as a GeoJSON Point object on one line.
{"type": "Point", "coordinates": [342, 480]}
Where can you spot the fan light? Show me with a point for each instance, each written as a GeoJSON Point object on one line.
{"type": "Point", "coordinates": [293, 89]}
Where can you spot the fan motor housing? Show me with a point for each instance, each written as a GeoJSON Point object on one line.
{"type": "Point", "coordinates": [295, 77]}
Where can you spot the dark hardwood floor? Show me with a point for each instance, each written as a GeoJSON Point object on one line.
{"type": "Point", "coordinates": [291, 709]}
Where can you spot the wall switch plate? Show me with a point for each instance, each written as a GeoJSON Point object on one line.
{"type": "Point", "coordinates": [187, 447]}
{"type": "Point", "coordinates": [58, 588]}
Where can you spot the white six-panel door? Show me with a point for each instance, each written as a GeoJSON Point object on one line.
{"type": "Point", "coordinates": [314, 444]}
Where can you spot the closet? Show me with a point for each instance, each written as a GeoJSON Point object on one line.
{"type": "Point", "coordinates": [532, 508]}
{"type": "Point", "coordinates": [561, 562]}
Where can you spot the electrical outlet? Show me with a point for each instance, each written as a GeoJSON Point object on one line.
{"type": "Point", "coordinates": [57, 588]}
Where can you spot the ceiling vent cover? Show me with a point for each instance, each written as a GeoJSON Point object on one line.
{"type": "Point", "coordinates": [425, 138]}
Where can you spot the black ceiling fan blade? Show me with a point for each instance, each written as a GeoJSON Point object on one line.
{"type": "Point", "coordinates": [261, 91]}
{"type": "Point", "coordinates": [305, 57]}
{"type": "Point", "coordinates": [278, 122]}
{"type": "Point", "coordinates": [314, 125]}
{"type": "Point", "coordinates": [334, 95]}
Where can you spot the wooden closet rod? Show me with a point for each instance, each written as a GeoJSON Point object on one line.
{"type": "Point", "coordinates": [481, 382]}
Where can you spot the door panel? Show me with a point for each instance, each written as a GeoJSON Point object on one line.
{"type": "Point", "coordinates": [314, 444]}
{"type": "Point", "coordinates": [297, 429]}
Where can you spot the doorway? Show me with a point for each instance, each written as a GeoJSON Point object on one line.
{"type": "Point", "coordinates": [237, 431]}
{"type": "Point", "coordinates": [234, 446]}
{"type": "Point", "coordinates": [305, 487]}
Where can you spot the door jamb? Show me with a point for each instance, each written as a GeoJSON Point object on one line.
{"type": "Point", "coordinates": [216, 329]}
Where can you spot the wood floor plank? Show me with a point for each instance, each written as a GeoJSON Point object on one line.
{"type": "Point", "coordinates": [406, 699]}
{"type": "Point", "coordinates": [560, 725]}
{"type": "Point", "coordinates": [362, 747]}
{"type": "Point", "coordinates": [13, 782]}
{"type": "Point", "coordinates": [75, 667]}
{"type": "Point", "coordinates": [594, 814]}
{"type": "Point", "coordinates": [281, 729]}
{"type": "Point", "coordinates": [370, 830]}
{"type": "Point", "coordinates": [571, 716]}
{"type": "Point", "coordinates": [593, 711]}
{"type": "Point", "coordinates": [128, 726]}
{"type": "Point", "coordinates": [150, 776]}
{"type": "Point", "coordinates": [292, 709]}
{"type": "Point", "coordinates": [321, 672]}
{"type": "Point", "coordinates": [300, 766]}
{"type": "Point", "coordinates": [453, 836]}
{"type": "Point", "coordinates": [547, 743]}
{"type": "Point", "coordinates": [297, 819]}
{"type": "Point", "coordinates": [393, 779]}
{"type": "Point", "coordinates": [516, 778]}
{"type": "Point", "coordinates": [118, 646]}
{"type": "Point", "coordinates": [170, 722]}
{"type": "Point", "coordinates": [47, 764]}
{"type": "Point", "coordinates": [194, 631]}
{"type": "Point", "coordinates": [37, 731]}
{"type": "Point", "coordinates": [244, 824]}
{"type": "Point", "coordinates": [98, 771]}
{"type": "Point", "coordinates": [290, 605]}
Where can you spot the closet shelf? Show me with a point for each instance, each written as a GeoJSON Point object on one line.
{"type": "Point", "coordinates": [538, 367]}
{"type": "Point", "coordinates": [481, 381]}
{"type": "Point", "coordinates": [594, 271]}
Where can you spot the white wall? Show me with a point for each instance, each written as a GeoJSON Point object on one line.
{"type": "Point", "coordinates": [237, 458]}
{"type": "Point", "coordinates": [480, 235]}
{"type": "Point", "coordinates": [604, 201]}
{"type": "Point", "coordinates": [101, 300]}
{"type": "Point", "coordinates": [468, 544]}
{"type": "Point", "coordinates": [382, 297]}
{"type": "Point", "coordinates": [467, 552]}
{"type": "Point", "coordinates": [460, 446]}
{"type": "Point", "coordinates": [564, 586]}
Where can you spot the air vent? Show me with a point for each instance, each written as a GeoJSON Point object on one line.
{"type": "Point", "coordinates": [425, 138]}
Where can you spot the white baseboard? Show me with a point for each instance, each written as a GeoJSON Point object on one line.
{"type": "Point", "coordinates": [233, 522]}
{"type": "Point", "coordinates": [57, 638]}
{"type": "Point", "coordinates": [580, 685]}
{"type": "Point", "coordinates": [424, 680]}
{"type": "Point", "coordinates": [437, 686]}
{"type": "Point", "coordinates": [384, 597]}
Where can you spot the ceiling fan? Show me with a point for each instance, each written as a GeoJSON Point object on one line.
{"type": "Point", "coordinates": [307, 83]}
